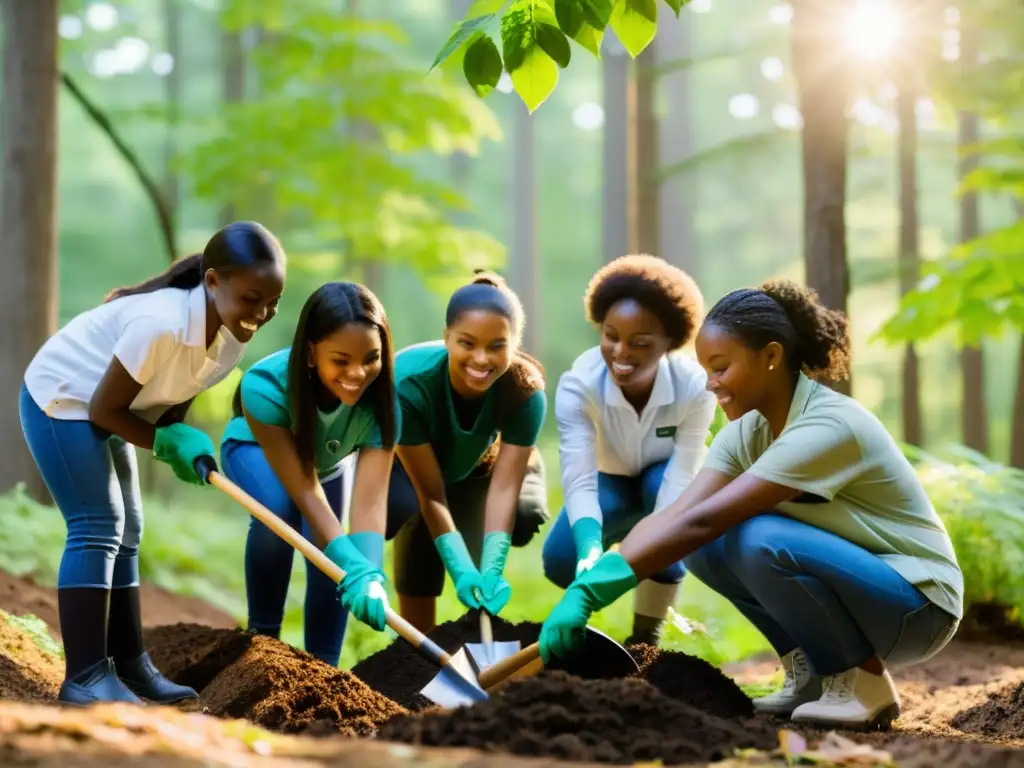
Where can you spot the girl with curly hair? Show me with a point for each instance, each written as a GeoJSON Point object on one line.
{"type": "Point", "coordinates": [633, 416]}
{"type": "Point", "coordinates": [806, 516]}
{"type": "Point", "coordinates": [468, 483]}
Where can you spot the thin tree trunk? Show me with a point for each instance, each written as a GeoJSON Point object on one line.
{"type": "Point", "coordinates": [172, 94]}
{"type": "Point", "coordinates": [644, 205]}
{"type": "Point", "coordinates": [615, 185]}
{"type": "Point", "coordinates": [1017, 417]}
{"type": "Point", "coordinates": [677, 240]}
{"type": "Point", "coordinates": [974, 409]}
{"type": "Point", "coordinates": [524, 223]}
{"type": "Point", "coordinates": [232, 91]}
{"type": "Point", "coordinates": [28, 214]}
{"type": "Point", "coordinates": [823, 96]}
{"type": "Point", "coordinates": [908, 256]}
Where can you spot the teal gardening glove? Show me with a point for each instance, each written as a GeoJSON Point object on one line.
{"type": "Point", "coordinates": [497, 591]}
{"type": "Point", "coordinates": [469, 584]}
{"type": "Point", "coordinates": [586, 533]}
{"type": "Point", "coordinates": [179, 445]}
{"type": "Point", "coordinates": [361, 556]}
{"type": "Point", "coordinates": [564, 630]}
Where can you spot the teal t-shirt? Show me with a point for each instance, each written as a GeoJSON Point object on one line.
{"type": "Point", "coordinates": [429, 415]}
{"type": "Point", "coordinates": [265, 398]}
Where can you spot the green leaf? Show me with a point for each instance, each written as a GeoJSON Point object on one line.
{"type": "Point", "coordinates": [554, 43]}
{"type": "Point", "coordinates": [597, 13]}
{"type": "Point", "coordinates": [482, 65]}
{"type": "Point", "coordinates": [634, 23]}
{"type": "Point", "coordinates": [535, 78]}
{"type": "Point", "coordinates": [483, 7]}
{"type": "Point", "coordinates": [590, 38]}
{"type": "Point", "coordinates": [570, 16]}
{"type": "Point", "coordinates": [520, 28]}
{"type": "Point", "coordinates": [465, 30]}
{"type": "Point", "coordinates": [676, 5]}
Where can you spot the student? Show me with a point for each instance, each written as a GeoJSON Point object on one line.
{"type": "Point", "coordinates": [122, 375]}
{"type": "Point", "coordinates": [806, 516]}
{"type": "Point", "coordinates": [298, 413]}
{"type": "Point", "coordinates": [633, 416]}
{"type": "Point", "coordinates": [472, 408]}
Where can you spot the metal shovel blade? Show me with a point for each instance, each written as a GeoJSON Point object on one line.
{"type": "Point", "coordinates": [450, 690]}
{"type": "Point", "coordinates": [486, 654]}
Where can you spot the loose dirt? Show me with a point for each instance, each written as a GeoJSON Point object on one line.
{"type": "Point", "coordinates": [26, 672]}
{"type": "Point", "coordinates": [692, 680]}
{"type": "Point", "coordinates": [608, 721]}
{"type": "Point", "coordinates": [265, 681]}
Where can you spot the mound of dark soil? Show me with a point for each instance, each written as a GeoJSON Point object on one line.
{"type": "Point", "coordinates": [1002, 716]}
{"type": "Point", "coordinates": [692, 680]}
{"type": "Point", "coordinates": [609, 721]}
{"type": "Point", "coordinates": [399, 672]}
{"type": "Point", "coordinates": [267, 682]}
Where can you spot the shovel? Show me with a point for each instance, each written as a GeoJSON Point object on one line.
{"type": "Point", "coordinates": [456, 682]}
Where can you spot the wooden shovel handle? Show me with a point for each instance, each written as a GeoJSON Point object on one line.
{"type": "Point", "coordinates": [313, 553]}
{"type": "Point", "coordinates": [496, 673]}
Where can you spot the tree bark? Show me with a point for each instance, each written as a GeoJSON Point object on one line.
{"type": "Point", "coordinates": [644, 207]}
{"type": "Point", "coordinates": [823, 96]}
{"type": "Point", "coordinates": [618, 102]}
{"type": "Point", "coordinates": [28, 215]}
{"type": "Point", "coordinates": [908, 254]}
{"type": "Point", "coordinates": [677, 238]}
{"type": "Point", "coordinates": [232, 91]}
{"type": "Point", "coordinates": [524, 223]}
{"type": "Point", "coordinates": [974, 407]}
{"type": "Point", "coordinates": [172, 94]}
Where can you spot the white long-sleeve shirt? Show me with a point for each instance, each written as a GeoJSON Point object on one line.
{"type": "Point", "coordinates": [599, 431]}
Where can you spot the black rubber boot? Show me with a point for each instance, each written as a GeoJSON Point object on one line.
{"type": "Point", "coordinates": [646, 630]}
{"type": "Point", "coordinates": [125, 645]}
{"type": "Point", "coordinates": [146, 681]}
{"type": "Point", "coordinates": [89, 675]}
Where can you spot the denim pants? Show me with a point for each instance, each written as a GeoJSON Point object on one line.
{"type": "Point", "coordinates": [624, 502]}
{"type": "Point", "coordinates": [93, 478]}
{"type": "Point", "coordinates": [268, 557]}
{"type": "Point", "coordinates": [802, 586]}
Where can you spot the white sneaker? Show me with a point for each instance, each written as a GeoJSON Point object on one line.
{"type": "Point", "coordinates": [799, 686]}
{"type": "Point", "coordinates": [854, 699]}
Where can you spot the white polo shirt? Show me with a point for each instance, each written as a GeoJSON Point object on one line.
{"type": "Point", "coordinates": [599, 431]}
{"type": "Point", "coordinates": [160, 339]}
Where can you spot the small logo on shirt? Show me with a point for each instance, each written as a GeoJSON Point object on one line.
{"type": "Point", "coordinates": [334, 445]}
{"type": "Point", "coordinates": [665, 431]}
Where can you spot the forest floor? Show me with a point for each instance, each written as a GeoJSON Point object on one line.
{"type": "Point", "coordinates": [263, 702]}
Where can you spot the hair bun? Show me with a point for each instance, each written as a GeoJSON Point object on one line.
{"type": "Point", "coordinates": [484, 277]}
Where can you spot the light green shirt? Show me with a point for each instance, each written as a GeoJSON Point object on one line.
{"type": "Point", "coordinates": [428, 407]}
{"type": "Point", "coordinates": [338, 433]}
{"type": "Point", "coordinates": [834, 448]}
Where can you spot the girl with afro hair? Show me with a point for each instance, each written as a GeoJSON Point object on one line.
{"type": "Point", "coordinates": [633, 416]}
{"type": "Point", "coordinates": [806, 516]}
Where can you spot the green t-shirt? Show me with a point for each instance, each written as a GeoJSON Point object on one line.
{"type": "Point", "coordinates": [265, 398]}
{"type": "Point", "coordinates": [429, 413]}
{"type": "Point", "coordinates": [834, 448]}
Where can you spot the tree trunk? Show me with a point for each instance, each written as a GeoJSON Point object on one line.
{"type": "Point", "coordinates": [644, 205]}
{"type": "Point", "coordinates": [908, 255]}
{"type": "Point", "coordinates": [172, 93]}
{"type": "Point", "coordinates": [974, 408]}
{"type": "Point", "coordinates": [232, 91]}
{"type": "Point", "coordinates": [28, 214]}
{"type": "Point", "coordinates": [524, 223]}
{"type": "Point", "coordinates": [615, 184]}
{"type": "Point", "coordinates": [823, 96]}
{"type": "Point", "coordinates": [1017, 424]}
{"type": "Point", "coordinates": [677, 239]}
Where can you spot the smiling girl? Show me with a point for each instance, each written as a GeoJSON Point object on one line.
{"type": "Point", "coordinates": [298, 413]}
{"type": "Point", "coordinates": [448, 488]}
{"type": "Point", "coordinates": [806, 516]}
{"type": "Point", "coordinates": [633, 416]}
{"type": "Point", "coordinates": [123, 375]}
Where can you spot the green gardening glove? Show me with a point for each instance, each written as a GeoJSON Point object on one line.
{"type": "Point", "coordinates": [179, 445]}
{"type": "Point", "coordinates": [362, 589]}
{"type": "Point", "coordinates": [469, 584]}
{"type": "Point", "coordinates": [564, 630]}
{"type": "Point", "coordinates": [586, 533]}
{"type": "Point", "coordinates": [497, 591]}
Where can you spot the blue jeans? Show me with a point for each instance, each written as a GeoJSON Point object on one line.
{"type": "Point", "coordinates": [624, 501]}
{"type": "Point", "coordinates": [93, 478]}
{"type": "Point", "coordinates": [268, 558]}
{"type": "Point", "coordinates": [802, 586]}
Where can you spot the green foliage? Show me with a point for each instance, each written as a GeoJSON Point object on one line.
{"type": "Point", "coordinates": [37, 631]}
{"type": "Point", "coordinates": [334, 143]}
{"type": "Point", "coordinates": [482, 65]}
{"type": "Point", "coordinates": [981, 503]}
{"type": "Point", "coordinates": [535, 37]}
